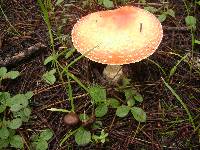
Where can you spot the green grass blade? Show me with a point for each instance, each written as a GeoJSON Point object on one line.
{"type": "Point", "coordinates": [78, 81]}
{"type": "Point", "coordinates": [70, 93]}
{"type": "Point", "coordinates": [8, 21]}
{"type": "Point", "coordinates": [59, 110]}
{"type": "Point", "coordinates": [78, 58]}
{"type": "Point", "coordinates": [173, 70]}
{"type": "Point", "coordinates": [180, 100]}
{"type": "Point", "coordinates": [68, 135]}
{"type": "Point", "coordinates": [163, 71]}
{"type": "Point", "coordinates": [47, 21]}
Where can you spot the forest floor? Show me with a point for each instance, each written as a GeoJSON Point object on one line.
{"type": "Point", "coordinates": [173, 115]}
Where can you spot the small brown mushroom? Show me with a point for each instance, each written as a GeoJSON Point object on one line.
{"type": "Point", "coordinates": [116, 37]}
{"type": "Point", "coordinates": [71, 119]}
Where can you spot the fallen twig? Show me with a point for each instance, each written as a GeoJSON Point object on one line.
{"type": "Point", "coordinates": [22, 55]}
{"type": "Point", "coordinates": [175, 28]}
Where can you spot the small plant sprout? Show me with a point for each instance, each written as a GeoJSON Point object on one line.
{"type": "Point", "coordinates": [102, 103]}
{"type": "Point", "coordinates": [82, 136]}
{"type": "Point", "coordinates": [15, 111]}
{"type": "Point", "coordinates": [132, 97]}
{"type": "Point", "coordinates": [4, 74]}
{"type": "Point", "coordinates": [58, 2]}
{"type": "Point", "coordinates": [116, 37]}
{"type": "Point", "coordinates": [49, 77]}
{"type": "Point", "coordinates": [100, 138]}
{"type": "Point", "coordinates": [98, 95]}
{"type": "Point", "coordinates": [164, 13]}
{"type": "Point", "coordinates": [163, 16]}
{"type": "Point", "coordinates": [40, 141]}
{"type": "Point", "coordinates": [106, 3]}
{"type": "Point", "coordinates": [191, 22]}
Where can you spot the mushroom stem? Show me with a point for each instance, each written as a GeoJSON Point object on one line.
{"type": "Point", "coordinates": [113, 73]}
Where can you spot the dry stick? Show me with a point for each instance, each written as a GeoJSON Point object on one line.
{"type": "Point", "coordinates": [39, 91]}
{"type": "Point", "coordinates": [175, 28]}
{"type": "Point", "coordinates": [1, 39]}
{"type": "Point", "coordinates": [22, 55]}
{"type": "Point", "coordinates": [24, 140]}
{"type": "Point", "coordinates": [112, 123]}
{"type": "Point", "coordinates": [61, 101]}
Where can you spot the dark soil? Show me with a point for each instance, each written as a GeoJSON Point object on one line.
{"type": "Point", "coordinates": [163, 109]}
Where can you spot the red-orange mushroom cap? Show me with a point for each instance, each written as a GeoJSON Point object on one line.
{"type": "Point", "coordinates": [120, 36]}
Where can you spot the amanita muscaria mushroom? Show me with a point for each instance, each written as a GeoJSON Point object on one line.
{"type": "Point", "coordinates": [116, 37]}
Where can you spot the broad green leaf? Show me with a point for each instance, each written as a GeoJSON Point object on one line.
{"type": "Point", "coordinates": [16, 141]}
{"type": "Point", "coordinates": [114, 103]}
{"type": "Point", "coordinates": [101, 137]}
{"type": "Point", "coordinates": [122, 111]}
{"type": "Point", "coordinates": [17, 102]}
{"type": "Point", "coordinates": [126, 82]}
{"type": "Point", "coordinates": [41, 145]}
{"type": "Point", "coordinates": [3, 71]}
{"type": "Point", "coordinates": [13, 100]}
{"type": "Point", "coordinates": [49, 77]}
{"type": "Point", "coordinates": [2, 108]}
{"type": "Point", "coordinates": [100, 2]}
{"type": "Point", "coordinates": [95, 137]}
{"type": "Point", "coordinates": [58, 2]}
{"type": "Point", "coordinates": [4, 96]}
{"type": "Point", "coordinates": [198, 2]}
{"type": "Point", "coordinates": [15, 123]}
{"type": "Point", "coordinates": [69, 53]}
{"type": "Point", "coordinates": [34, 137]}
{"type": "Point", "coordinates": [83, 117]}
{"type": "Point", "coordinates": [138, 97]}
{"type": "Point", "coordinates": [4, 143]}
{"type": "Point", "coordinates": [138, 114]}
{"type": "Point", "coordinates": [97, 93]}
{"type": "Point", "coordinates": [151, 9]}
{"type": "Point", "coordinates": [129, 94]}
{"type": "Point", "coordinates": [12, 132]}
{"type": "Point", "coordinates": [24, 114]}
{"type": "Point", "coordinates": [171, 12]}
{"type": "Point", "coordinates": [21, 98]}
{"type": "Point", "coordinates": [197, 42]}
{"type": "Point", "coordinates": [29, 95]}
{"type": "Point", "coordinates": [48, 59]}
{"type": "Point", "coordinates": [97, 125]}
{"type": "Point", "coordinates": [46, 134]}
{"type": "Point", "coordinates": [108, 3]}
{"type": "Point", "coordinates": [11, 75]}
{"type": "Point", "coordinates": [142, 1]}
{"type": "Point", "coordinates": [4, 133]}
{"type": "Point", "coordinates": [16, 107]}
{"type": "Point", "coordinates": [27, 111]}
{"type": "Point", "coordinates": [131, 102]}
{"type": "Point", "coordinates": [162, 17]}
{"type": "Point", "coordinates": [101, 110]}
{"type": "Point", "coordinates": [53, 71]}
{"type": "Point", "coordinates": [191, 22]}
{"type": "Point", "coordinates": [82, 136]}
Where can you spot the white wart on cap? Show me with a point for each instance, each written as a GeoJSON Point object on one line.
{"type": "Point", "coordinates": [115, 37]}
